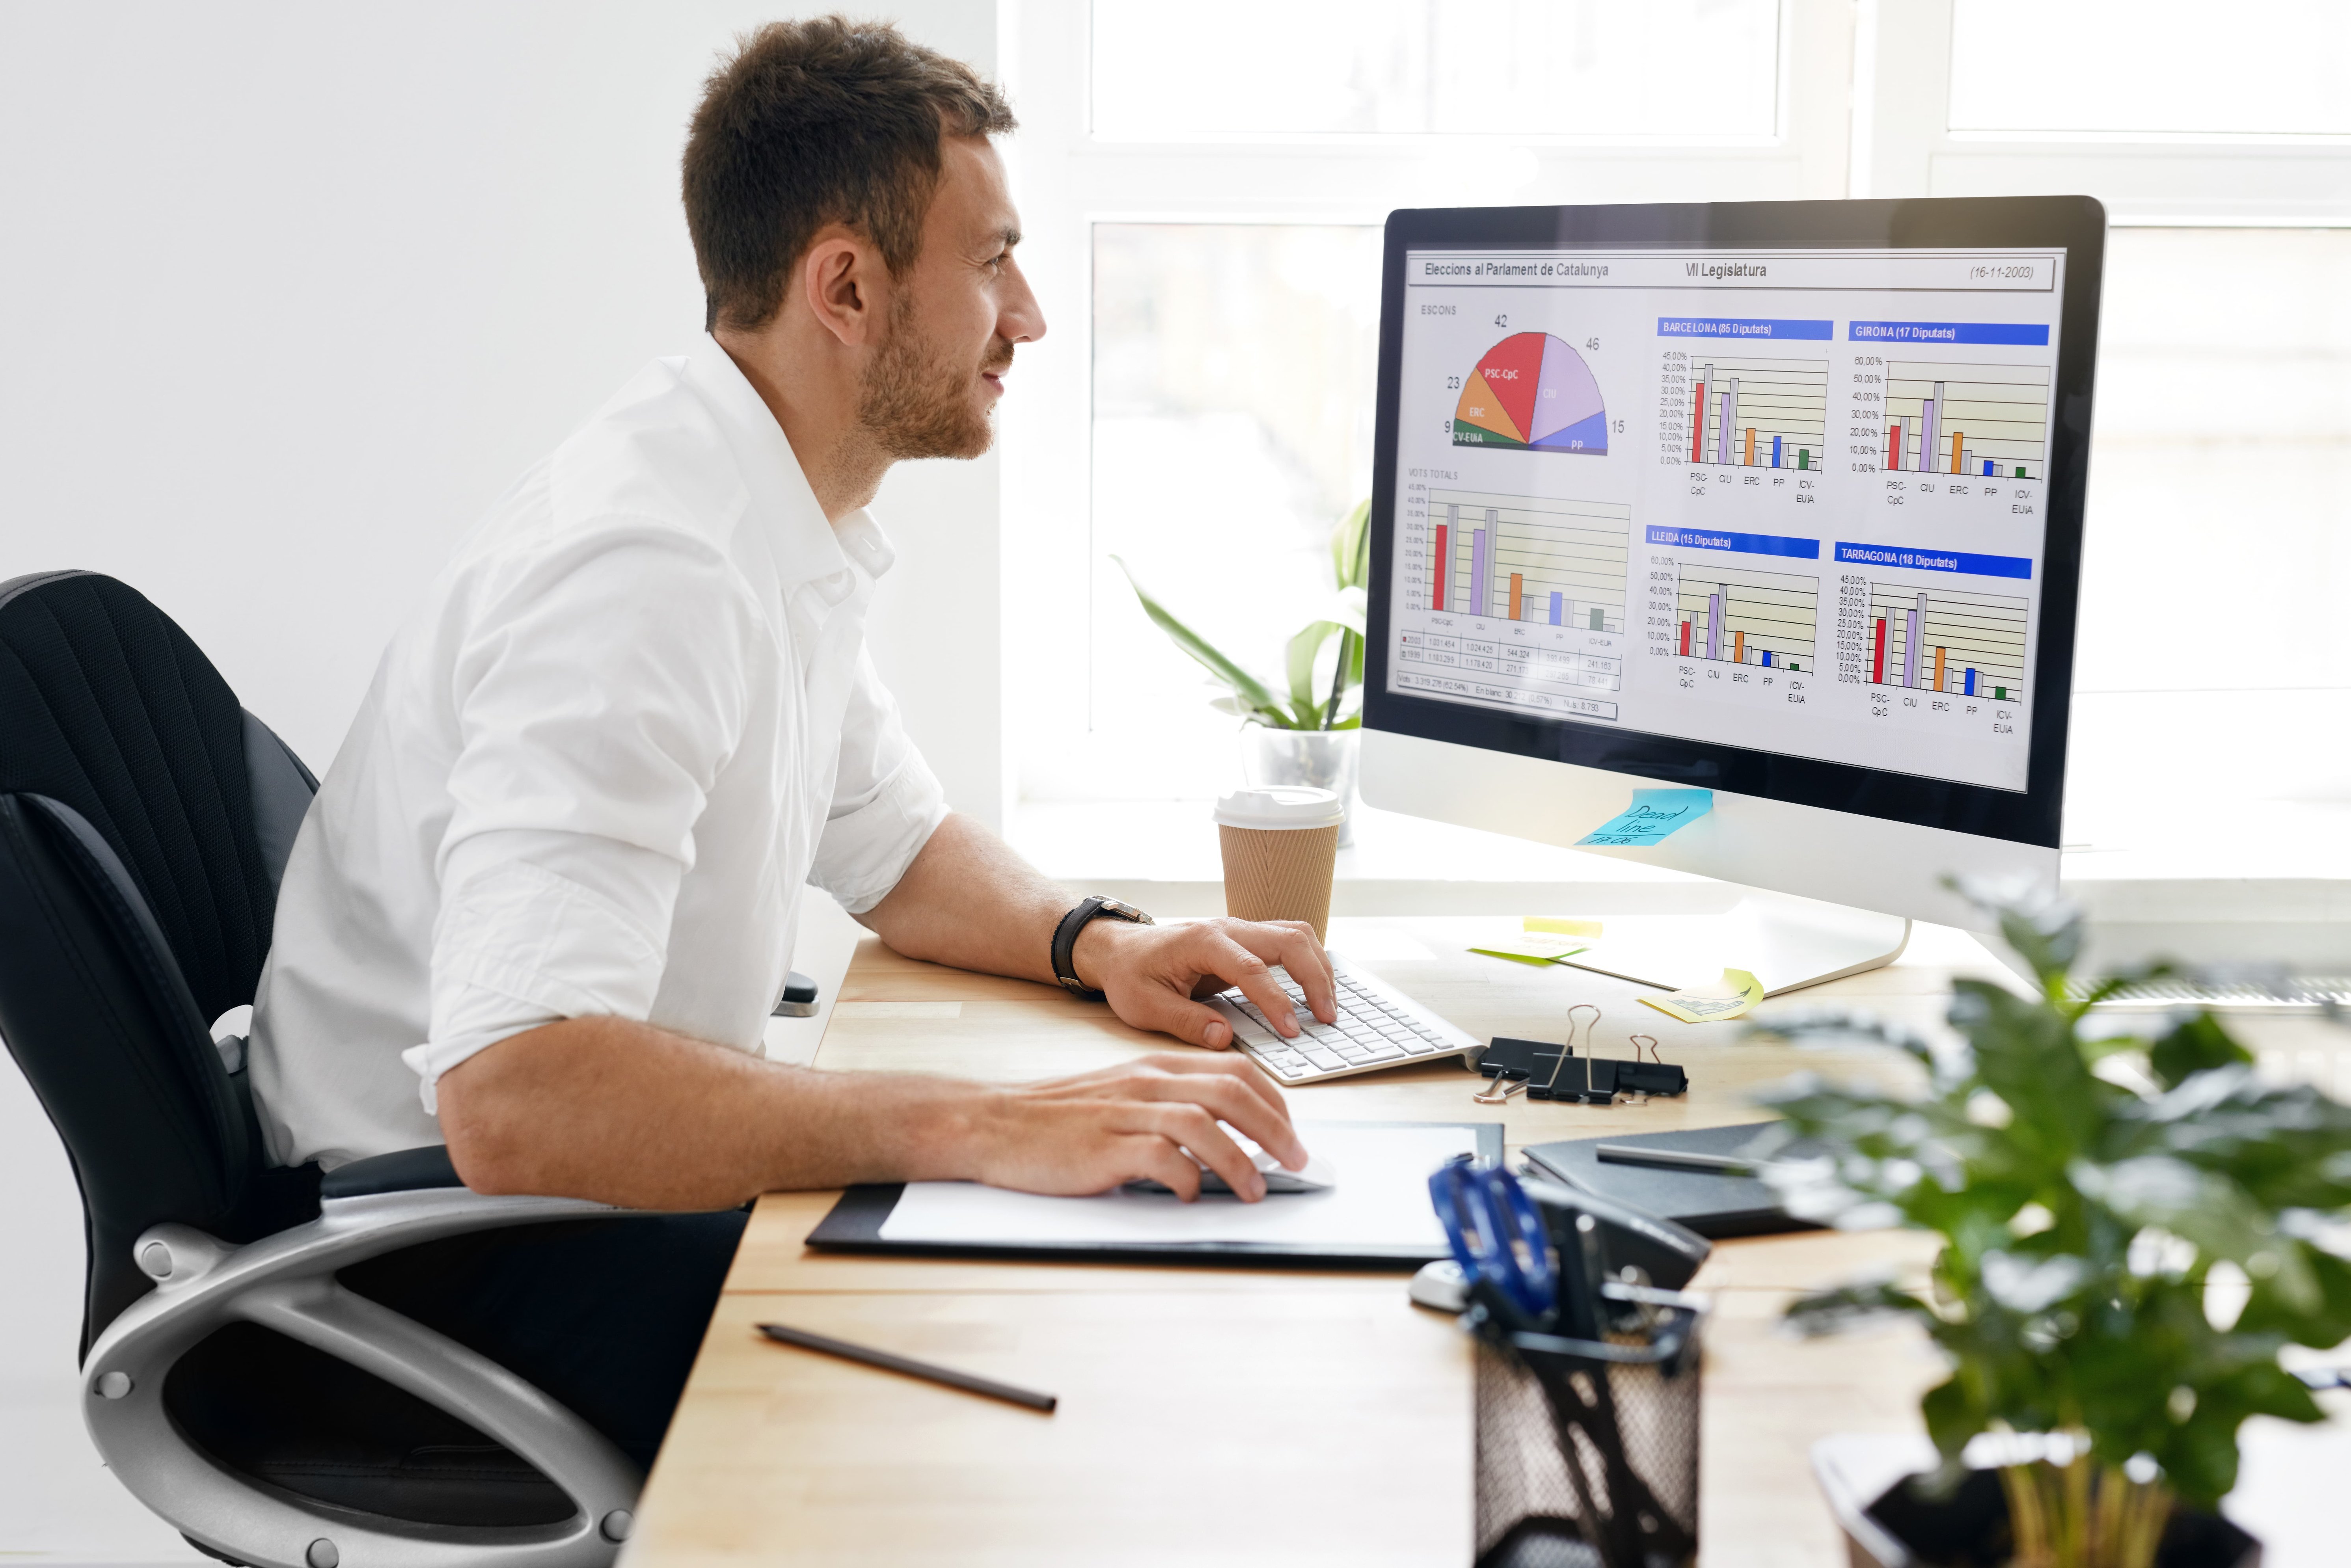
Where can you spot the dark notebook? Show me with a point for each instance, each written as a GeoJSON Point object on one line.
{"type": "Point", "coordinates": [1715, 1207]}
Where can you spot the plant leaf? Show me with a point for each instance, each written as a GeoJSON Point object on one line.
{"type": "Point", "coordinates": [1352, 609]}
{"type": "Point", "coordinates": [1351, 549]}
{"type": "Point", "coordinates": [1304, 648]}
{"type": "Point", "coordinates": [2197, 1044]}
{"type": "Point", "coordinates": [1254, 694]}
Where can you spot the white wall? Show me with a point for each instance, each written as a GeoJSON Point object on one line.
{"type": "Point", "coordinates": [289, 293]}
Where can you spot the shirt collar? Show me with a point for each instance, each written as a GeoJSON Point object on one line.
{"type": "Point", "coordinates": [807, 547]}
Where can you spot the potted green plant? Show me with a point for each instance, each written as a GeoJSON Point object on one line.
{"type": "Point", "coordinates": [1305, 736]}
{"type": "Point", "coordinates": [2105, 1205]}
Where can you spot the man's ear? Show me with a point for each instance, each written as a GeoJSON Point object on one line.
{"type": "Point", "coordinates": [843, 281]}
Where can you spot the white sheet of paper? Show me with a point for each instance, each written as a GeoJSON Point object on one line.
{"type": "Point", "coordinates": [1382, 1200]}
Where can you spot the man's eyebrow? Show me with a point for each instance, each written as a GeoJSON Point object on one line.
{"type": "Point", "coordinates": [1008, 238]}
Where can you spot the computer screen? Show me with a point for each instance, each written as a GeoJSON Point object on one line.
{"type": "Point", "coordinates": [1783, 496]}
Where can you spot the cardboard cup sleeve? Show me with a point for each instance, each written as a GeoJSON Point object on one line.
{"type": "Point", "coordinates": [1281, 846]}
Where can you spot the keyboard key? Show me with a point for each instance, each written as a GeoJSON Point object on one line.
{"type": "Point", "coordinates": [1387, 1053]}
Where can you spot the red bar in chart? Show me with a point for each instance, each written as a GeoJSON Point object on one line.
{"type": "Point", "coordinates": [1877, 660]}
{"type": "Point", "coordinates": [1443, 560]}
{"type": "Point", "coordinates": [1894, 448]}
{"type": "Point", "coordinates": [1685, 639]}
{"type": "Point", "coordinates": [1697, 429]}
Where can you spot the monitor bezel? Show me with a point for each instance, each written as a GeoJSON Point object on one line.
{"type": "Point", "coordinates": [2075, 224]}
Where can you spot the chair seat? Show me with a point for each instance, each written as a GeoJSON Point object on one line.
{"type": "Point", "coordinates": [298, 1419]}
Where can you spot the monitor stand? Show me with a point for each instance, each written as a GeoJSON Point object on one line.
{"type": "Point", "coordinates": [1787, 943]}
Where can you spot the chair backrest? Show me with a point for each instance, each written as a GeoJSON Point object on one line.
{"type": "Point", "coordinates": [144, 819]}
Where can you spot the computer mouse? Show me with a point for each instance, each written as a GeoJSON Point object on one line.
{"type": "Point", "coordinates": [1319, 1175]}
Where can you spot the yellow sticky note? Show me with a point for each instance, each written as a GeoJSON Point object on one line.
{"type": "Point", "coordinates": [1563, 926]}
{"type": "Point", "coordinates": [1727, 998]}
{"type": "Point", "coordinates": [1534, 947]}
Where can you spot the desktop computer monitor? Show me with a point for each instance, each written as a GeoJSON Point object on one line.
{"type": "Point", "coordinates": [1780, 500]}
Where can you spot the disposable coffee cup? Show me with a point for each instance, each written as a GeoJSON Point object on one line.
{"type": "Point", "coordinates": [1280, 843]}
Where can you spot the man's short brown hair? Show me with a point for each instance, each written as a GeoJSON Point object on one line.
{"type": "Point", "coordinates": [812, 124]}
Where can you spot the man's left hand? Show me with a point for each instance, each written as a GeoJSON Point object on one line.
{"type": "Point", "coordinates": [1155, 974]}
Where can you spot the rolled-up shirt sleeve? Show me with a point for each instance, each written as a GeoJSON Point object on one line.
{"type": "Point", "coordinates": [598, 696]}
{"type": "Point", "coordinates": [886, 802]}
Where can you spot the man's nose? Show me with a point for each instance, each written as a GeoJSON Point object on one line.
{"type": "Point", "coordinates": [1022, 320]}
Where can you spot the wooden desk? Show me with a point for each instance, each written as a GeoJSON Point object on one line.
{"type": "Point", "coordinates": [1226, 1414]}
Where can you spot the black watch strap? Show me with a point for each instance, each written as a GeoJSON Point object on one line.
{"type": "Point", "coordinates": [1065, 939]}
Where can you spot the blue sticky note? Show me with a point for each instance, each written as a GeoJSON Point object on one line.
{"type": "Point", "coordinates": [1653, 814]}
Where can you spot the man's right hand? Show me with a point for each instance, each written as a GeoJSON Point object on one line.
{"type": "Point", "coordinates": [1073, 1136]}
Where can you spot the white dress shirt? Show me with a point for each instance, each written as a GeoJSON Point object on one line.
{"type": "Point", "coordinates": [634, 715]}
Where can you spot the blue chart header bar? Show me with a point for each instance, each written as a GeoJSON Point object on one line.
{"type": "Point", "coordinates": [1932, 559]}
{"type": "Point", "coordinates": [2007, 332]}
{"type": "Point", "coordinates": [1751, 544]}
{"type": "Point", "coordinates": [1742, 327]}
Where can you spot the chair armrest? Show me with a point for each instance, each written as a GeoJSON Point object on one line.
{"type": "Point", "coordinates": [409, 1170]}
{"type": "Point", "coordinates": [286, 1283]}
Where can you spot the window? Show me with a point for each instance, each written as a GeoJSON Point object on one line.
{"type": "Point", "coordinates": [1464, 67]}
{"type": "Point", "coordinates": [2162, 68]}
{"type": "Point", "coordinates": [1234, 371]}
{"type": "Point", "coordinates": [1204, 192]}
{"type": "Point", "coordinates": [2218, 526]}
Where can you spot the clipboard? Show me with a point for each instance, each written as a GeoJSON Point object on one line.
{"type": "Point", "coordinates": [856, 1223]}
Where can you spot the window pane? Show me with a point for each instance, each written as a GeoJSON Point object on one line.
{"type": "Point", "coordinates": [1682, 69]}
{"type": "Point", "coordinates": [2259, 67]}
{"type": "Point", "coordinates": [2221, 431]}
{"type": "Point", "coordinates": [2209, 658]}
{"type": "Point", "coordinates": [1235, 367]}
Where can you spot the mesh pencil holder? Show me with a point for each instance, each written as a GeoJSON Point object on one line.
{"type": "Point", "coordinates": [1587, 1450]}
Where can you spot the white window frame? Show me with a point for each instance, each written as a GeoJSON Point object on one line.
{"type": "Point", "coordinates": [1903, 146]}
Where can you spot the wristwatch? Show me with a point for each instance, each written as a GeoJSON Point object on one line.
{"type": "Point", "coordinates": [1065, 939]}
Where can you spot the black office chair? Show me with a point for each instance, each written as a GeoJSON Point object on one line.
{"type": "Point", "coordinates": [267, 1412]}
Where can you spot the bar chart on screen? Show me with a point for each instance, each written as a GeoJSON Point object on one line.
{"type": "Point", "coordinates": [1529, 558]}
{"type": "Point", "coordinates": [1737, 616]}
{"type": "Point", "coordinates": [1986, 422]}
{"type": "Point", "coordinates": [1757, 413]}
{"type": "Point", "coordinates": [1947, 640]}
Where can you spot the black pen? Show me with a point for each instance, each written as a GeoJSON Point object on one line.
{"type": "Point", "coordinates": [1674, 1160]}
{"type": "Point", "coordinates": [889, 1363]}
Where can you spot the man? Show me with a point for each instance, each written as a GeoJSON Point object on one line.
{"type": "Point", "coordinates": [544, 903]}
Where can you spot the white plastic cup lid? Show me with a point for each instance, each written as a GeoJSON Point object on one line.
{"type": "Point", "coordinates": [1280, 806]}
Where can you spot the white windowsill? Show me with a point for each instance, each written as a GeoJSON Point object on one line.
{"type": "Point", "coordinates": [2251, 881]}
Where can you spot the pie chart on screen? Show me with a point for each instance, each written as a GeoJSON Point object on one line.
{"type": "Point", "coordinates": [1534, 392]}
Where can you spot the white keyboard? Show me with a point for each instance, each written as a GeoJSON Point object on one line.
{"type": "Point", "coordinates": [1378, 1028]}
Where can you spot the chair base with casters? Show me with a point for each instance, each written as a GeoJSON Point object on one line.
{"type": "Point", "coordinates": [286, 1283]}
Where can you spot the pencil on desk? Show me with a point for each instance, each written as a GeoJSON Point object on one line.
{"type": "Point", "coordinates": [883, 1359]}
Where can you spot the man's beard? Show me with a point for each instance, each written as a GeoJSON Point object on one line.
{"type": "Point", "coordinates": [916, 404]}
